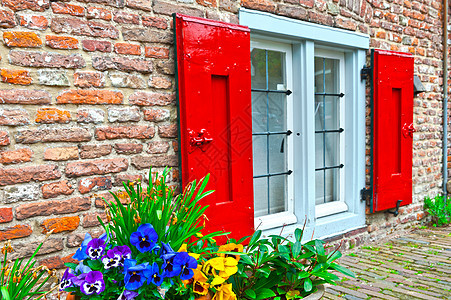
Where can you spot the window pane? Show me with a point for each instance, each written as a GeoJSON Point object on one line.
{"type": "Point", "coordinates": [331, 75]}
{"type": "Point", "coordinates": [277, 189]}
{"type": "Point", "coordinates": [277, 153]}
{"type": "Point", "coordinates": [331, 148]}
{"type": "Point", "coordinates": [261, 193]}
{"type": "Point", "coordinates": [276, 70]}
{"type": "Point", "coordinates": [258, 68]}
{"type": "Point", "coordinates": [332, 184]}
{"type": "Point", "coordinates": [260, 159]}
{"type": "Point", "coordinates": [277, 112]}
{"type": "Point", "coordinates": [319, 187]}
{"type": "Point", "coordinates": [319, 150]}
{"type": "Point", "coordinates": [332, 112]}
{"type": "Point", "coordinates": [259, 102]}
{"type": "Point", "coordinates": [319, 78]}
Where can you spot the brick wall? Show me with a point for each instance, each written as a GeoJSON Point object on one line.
{"type": "Point", "coordinates": [87, 101]}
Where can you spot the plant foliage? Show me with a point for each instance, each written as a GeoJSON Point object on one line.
{"type": "Point", "coordinates": [439, 209]}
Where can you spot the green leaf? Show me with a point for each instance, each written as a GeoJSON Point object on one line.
{"type": "Point", "coordinates": [319, 247]}
{"type": "Point", "coordinates": [95, 265]}
{"type": "Point", "coordinates": [342, 270]}
{"type": "Point", "coordinates": [308, 285]}
{"type": "Point", "coordinates": [333, 256]}
{"type": "Point", "coordinates": [255, 237]}
{"type": "Point", "coordinates": [298, 233]}
{"type": "Point", "coordinates": [71, 265]}
{"type": "Point", "coordinates": [251, 294]}
{"type": "Point", "coordinates": [159, 214]}
{"type": "Point", "coordinates": [5, 294]}
{"type": "Point", "coordinates": [265, 293]}
{"type": "Point", "coordinates": [297, 247]}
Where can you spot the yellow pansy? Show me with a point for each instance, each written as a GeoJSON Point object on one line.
{"type": "Point", "coordinates": [225, 293]}
{"type": "Point", "coordinates": [232, 247]}
{"type": "Point", "coordinates": [222, 266]}
{"type": "Point", "coordinates": [200, 285]}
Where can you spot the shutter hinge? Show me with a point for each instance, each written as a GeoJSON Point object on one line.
{"type": "Point", "coordinates": [365, 195]}
{"type": "Point", "coordinates": [366, 72]}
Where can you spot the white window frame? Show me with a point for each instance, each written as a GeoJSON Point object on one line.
{"type": "Point", "coordinates": [288, 216]}
{"type": "Point", "coordinates": [305, 38]}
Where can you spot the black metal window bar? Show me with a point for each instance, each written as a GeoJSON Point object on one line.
{"type": "Point", "coordinates": [325, 131]}
{"type": "Point", "coordinates": [267, 91]}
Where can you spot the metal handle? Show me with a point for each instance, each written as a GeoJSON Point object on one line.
{"type": "Point", "coordinates": [408, 130]}
{"type": "Point", "coordinates": [199, 139]}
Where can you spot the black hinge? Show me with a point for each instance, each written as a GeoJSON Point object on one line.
{"type": "Point", "coordinates": [366, 72]}
{"type": "Point", "coordinates": [365, 195]}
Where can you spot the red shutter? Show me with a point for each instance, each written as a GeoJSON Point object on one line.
{"type": "Point", "coordinates": [214, 81]}
{"type": "Point", "coordinates": [393, 128]}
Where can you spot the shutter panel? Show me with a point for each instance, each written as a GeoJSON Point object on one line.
{"type": "Point", "coordinates": [393, 128]}
{"type": "Point", "coordinates": [214, 86]}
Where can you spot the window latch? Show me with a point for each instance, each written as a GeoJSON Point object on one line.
{"type": "Point", "coordinates": [365, 195]}
{"type": "Point", "coordinates": [366, 72]}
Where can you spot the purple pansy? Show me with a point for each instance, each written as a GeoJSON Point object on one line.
{"type": "Point", "coordinates": [153, 274]}
{"type": "Point", "coordinates": [115, 257]}
{"type": "Point", "coordinates": [186, 263]}
{"type": "Point", "coordinates": [95, 248]}
{"type": "Point", "coordinates": [127, 295]}
{"type": "Point", "coordinates": [66, 280]}
{"type": "Point", "coordinates": [134, 274]}
{"type": "Point", "coordinates": [144, 238]}
{"type": "Point", "coordinates": [124, 252]}
{"type": "Point", "coordinates": [90, 283]}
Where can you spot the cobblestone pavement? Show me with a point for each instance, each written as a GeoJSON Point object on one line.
{"type": "Point", "coordinates": [415, 266]}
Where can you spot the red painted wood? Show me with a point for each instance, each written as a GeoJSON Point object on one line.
{"type": "Point", "coordinates": [393, 114]}
{"type": "Point", "coordinates": [214, 81]}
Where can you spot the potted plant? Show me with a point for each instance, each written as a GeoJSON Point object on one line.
{"type": "Point", "coordinates": [153, 247]}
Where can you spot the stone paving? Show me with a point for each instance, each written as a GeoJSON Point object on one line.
{"type": "Point", "coordinates": [415, 266]}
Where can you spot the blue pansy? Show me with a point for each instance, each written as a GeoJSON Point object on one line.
{"type": "Point", "coordinates": [127, 295]}
{"type": "Point", "coordinates": [153, 274]}
{"type": "Point", "coordinates": [144, 238]}
{"type": "Point", "coordinates": [81, 251]}
{"type": "Point", "coordinates": [134, 274]}
{"type": "Point", "coordinates": [186, 263]}
{"type": "Point", "coordinates": [82, 268]}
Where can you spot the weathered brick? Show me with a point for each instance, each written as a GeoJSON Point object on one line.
{"type": "Point", "coordinates": [166, 67]}
{"type": "Point", "coordinates": [90, 97]}
{"type": "Point", "coordinates": [157, 52]}
{"type": "Point", "coordinates": [128, 148]}
{"type": "Point", "coordinates": [126, 64]}
{"type": "Point", "coordinates": [129, 114]}
{"type": "Point", "coordinates": [55, 189]}
{"type": "Point", "coordinates": [15, 76]}
{"type": "Point", "coordinates": [95, 151]}
{"type": "Point", "coordinates": [125, 80]}
{"type": "Point", "coordinates": [53, 78]}
{"type": "Point", "coordinates": [140, 4]}
{"type": "Point", "coordinates": [207, 3]}
{"type": "Point", "coordinates": [29, 173]}
{"type": "Point", "coordinates": [24, 192]}
{"type": "Point", "coordinates": [68, 9]}
{"type": "Point", "coordinates": [87, 185]}
{"type": "Point", "coordinates": [156, 115]}
{"type": "Point", "coordinates": [50, 207]}
{"type": "Point", "coordinates": [61, 42]}
{"type": "Point", "coordinates": [158, 147]}
{"type": "Point", "coordinates": [115, 3]}
{"type": "Point", "coordinates": [90, 116]}
{"type": "Point", "coordinates": [156, 22]}
{"type": "Point", "coordinates": [125, 132]}
{"type": "Point", "coordinates": [167, 131]}
{"type": "Point", "coordinates": [96, 167]}
{"type": "Point", "coordinates": [7, 19]}
{"type": "Point", "coordinates": [74, 134]}
{"type": "Point", "coordinates": [145, 162]}
{"type": "Point", "coordinates": [13, 117]}
{"type": "Point", "coordinates": [15, 232]}
{"type": "Point", "coordinates": [151, 99]}
{"type": "Point", "coordinates": [50, 115]}
{"type": "Point", "coordinates": [34, 22]}
{"type": "Point", "coordinates": [125, 48]}
{"type": "Point", "coordinates": [16, 156]}
{"type": "Point", "coordinates": [61, 153]}
{"type": "Point", "coordinates": [4, 138]}
{"type": "Point", "coordinates": [119, 179]}
{"type": "Point", "coordinates": [126, 18]}
{"type": "Point", "coordinates": [168, 8]}
{"type": "Point", "coordinates": [147, 35]}
{"type": "Point", "coordinates": [86, 28]}
{"type": "Point", "coordinates": [75, 239]}
{"type": "Point", "coordinates": [24, 97]}
{"type": "Point", "coordinates": [36, 5]}
{"type": "Point", "coordinates": [90, 219]}
{"type": "Point", "coordinates": [93, 45]}
{"type": "Point", "coordinates": [55, 262]}
{"type": "Point", "coordinates": [60, 224]}
{"type": "Point", "coordinates": [6, 214]}
{"type": "Point", "coordinates": [88, 79]}
{"type": "Point", "coordinates": [46, 60]}
{"type": "Point", "coordinates": [160, 82]}
{"type": "Point", "coordinates": [21, 39]}
{"type": "Point", "coordinates": [26, 249]}
{"type": "Point", "coordinates": [229, 5]}
{"type": "Point", "coordinates": [99, 13]}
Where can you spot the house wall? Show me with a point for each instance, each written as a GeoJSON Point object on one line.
{"type": "Point", "coordinates": [87, 100]}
